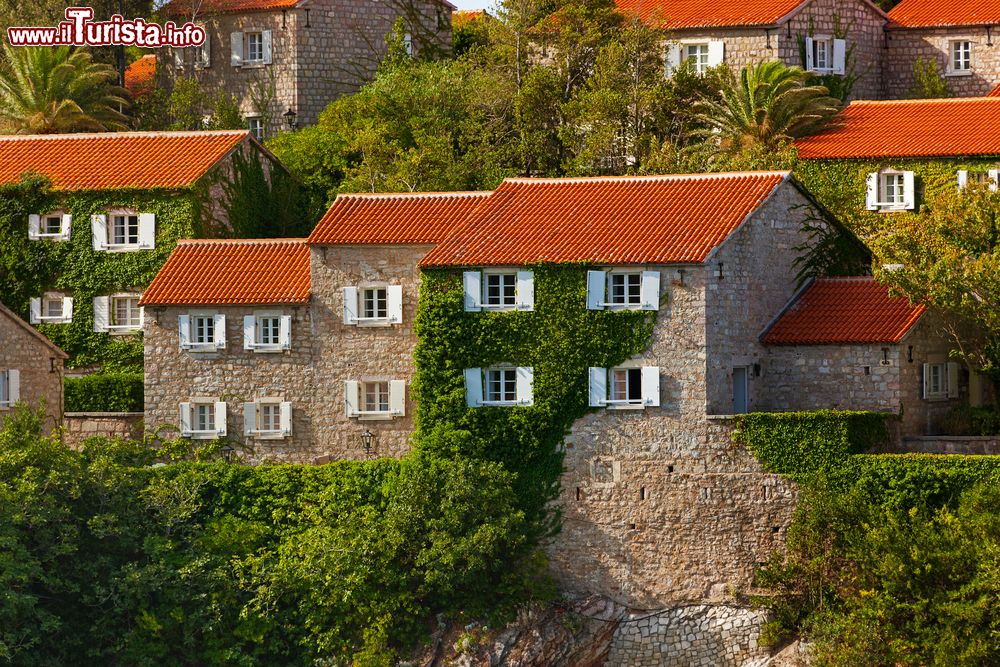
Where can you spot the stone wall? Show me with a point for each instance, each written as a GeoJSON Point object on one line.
{"type": "Point", "coordinates": [40, 367]}
{"type": "Point", "coordinates": [930, 343]}
{"type": "Point", "coordinates": [907, 45]}
{"type": "Point", "coordinates": [78, 426]}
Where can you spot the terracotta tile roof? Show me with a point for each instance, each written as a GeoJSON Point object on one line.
{"type": "Point", "coordinates": [203, 7]}
{"type": "Point", "coordinates": [464, 17]}
{"type": "Point", "coordinates": [995, 92]}
{"type": "Point", "coordinates": [676, 14]}
{"type": "Point", "coordinates": [140, 75]}
{"type": "Point", "coordinates": [403, 218]}
{"type": "Point", "coordinates": [232, 272]}
{"type": "Point", "coordinates": [843, 311]}
{"type": "Point", "coordinates": [116, 159]}
{"type": "Point", "coordinates": [909, 128]}
{"type": "Point", "coordinates": [926, 13]}
{"type": "Point", "coordinates": [609, 220]}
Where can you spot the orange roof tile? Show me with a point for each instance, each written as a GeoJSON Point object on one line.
{"type": "Point", "coordinates": [925, 13]}
{"type": "Point", "coordinates": [674, 14]}
{"type": "Point", "coordinates": [609, 220]}
{"type": "Point", "coordinates": [845, 311]}
{"type": "Point", "coordinates": [140, 75]}
{"type": "Point", "coordinates": [403, 218]}
{"type": "Point", "coordinates": [909, 128]}
{"type": "Point", "coordinates": [995, 92]}
{"type": "Point", "coordinates": [116, 159]}
{"type": "Point", "coordinates": [202, 7]}
{"type": "Point", "coordinates": [464, 17]}
{"type": "Point", "coordinates": [232, 272]}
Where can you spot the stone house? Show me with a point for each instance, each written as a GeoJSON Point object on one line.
{"type": "Point", "coordinates": [31, 369]}
{"type": "Point", "coordinates": [284, 61]}
{"type": "Point", "coordinates": [827, 37]}
{"type": "Point", "coordinates": [114, 205]}
{"type": "Point", "coordinates": [958, 37]}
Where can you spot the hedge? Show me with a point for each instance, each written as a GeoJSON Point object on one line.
{"type": "Point", "coordinates": [105, 392]}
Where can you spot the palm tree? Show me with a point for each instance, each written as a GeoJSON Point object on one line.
{"type": "Point", "coordinates": [765, 108]}
{"type": "Point", "coordinates": [46, 90]}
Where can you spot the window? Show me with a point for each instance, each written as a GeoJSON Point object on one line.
{"type": "Point", "coordinates": [52, 308]}
{"type": "Point", "coordinates": [626, 385]}
{"type": "Point", "coordinates": [202, 332]}
{"type": "Point", "coordinates": [250, 48]}
{"type": "Point", "coordinates": [378, 305]}
{"type": "Point", "coordinates": [408, 44]}
{"type": "Point", "coordinates": [203, 418]}
{"type": "Point", "coordinates": [624, 289]}
{"type": "Point", "coordinates": [638, 290]}
{"type": "Point", "coordinates": [267, 418]}
{"type": "Point", "coordinates": [375, 398]}
{"type": "Point", "coordinates": [124, 229]}
{"type": "Point", "coordinates": [890, 190]}
{"type": "Point", "coordinates": [202, 52]}
{"type": "Point", "coordinates": [940, 380]}
{"type": "Point", "coordinates": [622, 388]}
{"type": "Point", "coordinates": [125, 312]}
{"type": "Point", "coordinates": [500, 290]}
{"type": "Point", "coordinates": [697, 55]}
{"type": "Point", "coordinates": [501, 385]}
{"type": "Point", "coordinates": [822, 55]}
{"type": "Point", "coordinates": [254, 47]}
{"type": "Point", "coordinates": [53, 225]}
{"type": "Point", "coordinates": [504, 385]}
{"type": "Point", "coordinates": [5, 401]}
{"type": "Point", "coordinates": [961, 57]}
{"type": "Point", "coordinates": [256, 126]}
{"type": "Point", "coordinates": [990, 178]}
{"type": "Point", "coordinates": [375, 303]}
{"type": "Point", "coordinates": [267, 332]}
{"type": "Point", "coordinates": [10, 387]}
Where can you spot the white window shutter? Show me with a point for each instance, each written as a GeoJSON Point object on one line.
{"type": "Point", "coordinates": [525, 290]}
{"type": "Point", "coordinates": [473, 387]}
{"type": "Point", "coordinates": [147, 230]}
{"type": "Point", "coordinates": [67, 225]}
{"type": "Point", "coordinates": [716, 52]}
{"type": "Point", "coordinates": [397, 397]}
{"type": "Point", "coordinates": [671, 59]}
{"type": "Point", "coordinates": [285, 410]}
{"type": "Point", "coordinates": [927, 381]}
{"type": "Point", "coordinates": [651, 386]}
{"type": "Point", "coordinates": [36, 310]}
{"type": "Point", "coordinates": [994, 175]}
{"type": "Point", "coordinates": [909, 194]}
{"type": "Point", "coordinates": [142, 315]}
{"type": "Point", "coordinates": [350, 305]}
{"type": "Point", "coordinates": [13, 385]}
{"type": "Point", "coordinates": [102, 309]}
{"type": "Point", "coordinates": [249, 418]}
{"type": "Point", "coordinates": [952, 379]}
{"type": "Point", "coordinates": [962, 177]}
{"type": "Point", "coordinates": [394, 303]}
{"type": "Point", "coordinates": [810, 61]}
{"type": "Point", "coordinates": [472, 282]}
{"type": "Point", "coordinates": [285, 332]}
{"type": "Point", "coordinates": [99, 230]}
{"type": "Point", "coordinates": [236, 49]}
{"type": "Point", "coordinates": [249, 332]}
{"type": "Point", "coordinates": [839, 56]}
{"type": "Point", "coordinates": [185, 419]}
{"type": "Point", "coordinates": [596, 285]}
{"type": "Point", "coordinates": [183, 330]}
{"type": "Point", "coordinates": [34, 226]}
{"type": "Point", "coordinates": [219, 329]}
{"type": "Point", "coordinates": [650, 290]}
{"type": "Point", "coordinates": [267, 44]}
{"type": "Point", "coordinates": [525, 379]}
{"type": "Point", "coordinates": [178, 54]}
{"type": "Point", "coordinates": [206, 50]}
{"type": "Point", "coordinates": [67, 309]}
{"type": "Point", "coordinates": [220, 418]}
{"type": "Point", "coordinates": [871, 195]}
{"type": "Point", "coordinates": [598, 383]}
{"type": "Point", "coordinates": [352, 397]}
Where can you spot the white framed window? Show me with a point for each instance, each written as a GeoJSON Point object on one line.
{"type": "Point", "coordinates": [123, 230]}
{"type": "Point", "coordinates": [408, 44]}
{"type": "Point", "coordinates": [375, 398]}
{"type": "Point", "coordinates": [10, 387]}
{"type": "Point", "coordinates": [202, 332]}
{"type": "Point", "coordinates": [940, 380]}
{"type": "Point", "coordinates": [52, 308]}
{"type": "Point", "coordinates": [54, 226]}
{"type": "Point", "coordinates": [826, 55]}
{"type": "Point", "coordinates": [267, 418]}
{"type": "Point", "coordinates": [499, 386]}
{"type": "Point", "coordinates": [253, 48]}
{"type": "Point", "coordinates": [626, 387]}
{"type": "Point", "coordinates": [118, 313]}
{"type": "Point", "coordinates": [620, 290]}
{"type": "Point", "coordinates": [697, 56]}
{"type": "Point", "coordinates": [700, 54]}
{"type": "Point", "coordinates": [203, 418]}
{"type": "Point", "coordinates": [374, 305]}
{"type": "Point", "coordinates": [499, 289]}
{"type": "Point", "coordinates": [203, 52]}
{"type": "Point", "coordinates": [256, 126]}
{"type": "Point", "coordinates": [989, 177]}
{"type": "Point", "coordinates": [890, 190]}
{"type": "Point", "coordinates": [959, 57]}
{"type": "Point", "coordinates": [267, 332]}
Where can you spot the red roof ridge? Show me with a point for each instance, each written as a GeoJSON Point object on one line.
{"type": "Point", "coordinates": [248, 241]}
{"type": "Point", "coordinates": [122, 135]}
{"type": "Point", "coordinates": [414, 195]}
{"type": "Point", "coordinates": [644, 177]}
{"type": "Point", "coordinates": [923, 100]}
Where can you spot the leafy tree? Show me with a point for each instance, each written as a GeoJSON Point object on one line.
{"type": "Point", "coordinates": [927, 81]}
{"type": "Point", "coordinates": [58, 89]}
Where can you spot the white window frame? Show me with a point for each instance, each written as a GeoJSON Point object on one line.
{"type": "Point", "coordinates": [37, 230]}
{"type": "Point", "coordinates": [475, 288]}
{"type": "Point", "coordinates": [959, 64]}
{"type": "Point", "coordinates": [877, 184]}
{"type": "Point", "coordinates": [502, 276]}
{"type": "Point", "coordinates": [699, 61]}
{"type": "Point", "coordinates": [203, 52]}
{"type": "Point", "coordinates": [355, 394]}
{"type": "Point", "coordinates": [189, 418]}
{"type": "Point", "coordinates": [940, 380]}
{"type": "Point", "coordinates": [10, 388]}
{"type": "Point", "coordinates": [991, 177]}
{"type": "Point", "coordinates": [255, 125]}
{"type": "Point", "coordinates": [601, 384]}
{"type": "Point", "coordinates": [599, 290]}
{"type": "Point", "coordinates": [253, 426]}
{"type": "Point", "coordinates": [39, 309]}
{"type": "Point", "coordinates": [103, 229]}
{"type": "Point", "coordinates": [113, 217]}
{"type": "Point", "coordinates": [124, 328]}
{"type": "Point", "coordinates": [354, 305]}
{"type": "Point", "coordinates": [477, 381]}
{"type": "Point", "coordinates": [253, 330]}
{"type": "Point", "coordinates": [249, 39]}
{"type": "Point", "coordinates": [187, 327]}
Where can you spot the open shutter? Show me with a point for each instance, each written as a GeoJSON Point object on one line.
{"type": "Point", "coordinates": [810, 61]}
{"type": "Point", "coordinates": [352, 397]}
{"type": "Point", "coordinates": [236, 49]}
{"type": "Point", "coordinates": [650, 290]}
{"type": "Point", "coordinates": [220, 418]}
{"type": "Point", "coordinates": [397, 397]}
{"type": "Point", "coordinates": [473, 387]}
{"type": "Point", "coordinates": [871, 195]}
{"type": "Point", "coordinates": [525, 290]}
{"type": "Point", "coordinates": [671, 59]}
{"type": "Point", "coordinates": [472, 282]}
{"type": "Point", "coordinates": [350, 305]}
{"type": "Point", "coordinates": [716, 52]}
{"type": "Point", "coordinates": [596, 284]}
{"type": "Point", "coordinates": [525, 379]}
{"type": "Point", "coordinates": [102, 308]}
{"type": "Point", "coordinates": [909, 194]}
{"type": "Point", "coordinates": [249, 332]}
{"type": "Point", "coordinates": [285, 410]}
{"type": "Point", "coordinates": [185, 419]}
{"type": "Point", "coordinates": [178, 54]}
{"type": "Point", "coordinates": [598, 382]}
{"type": "Point", "coordinates": [962, 177]}
{"type": "Point", "coordinates": [67, 309]}
{"type": "Point", "coordinates": [183, 330]}
{"type": "Point", "coordinates": [34, 226]}
{"type": "Point", "coordinates": [13, 386]}
{"type": "Point", "coordinates": [249, 418]}
{"type": "Point", "coordinates": [927, 381]}
{"type": "Point", "coordinates": [99, 230]}
{"type": "Point", "coordinates": [839, 56]}
{"type": "Point", "coordinates": [67, 224]}
{"type": "Point", "coordinates": [219, 329]}
{"type": "Point", "coordinates": [394, 303]}
{"type": "Point", "coordinates": [952, 379]}
{"type": "Point", "coordinates": [147, 230]}
{"type": "Point", "coordinates": [994, 175]}
{"type": "Point", "coordinates": [266, 41]}
{"type": "Point", "coordinates": [285, 332]}
{"type": "Point", "coordinates": [206, 51]}
{"type": "Point", "coordinates": [651, 386]}
{"type": "Point", "coordinates": [36, 310]}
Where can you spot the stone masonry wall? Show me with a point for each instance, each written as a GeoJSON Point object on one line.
{"type": "Point", "coordinates": [930, 344]}
{"type": "Point", "coordinates": [78, 426]}
{"type": "Point", "coordinates": [905, 46]}
{"type": "Point", "coordinates": [41, 370]}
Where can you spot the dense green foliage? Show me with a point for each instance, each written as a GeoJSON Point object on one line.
{"type": "Point", "coordinates": [104, 392]}
{"type": "Point", "coordinates": [967, 420]}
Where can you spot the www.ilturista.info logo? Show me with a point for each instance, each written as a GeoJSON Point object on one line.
{"type": "Point", "coordinates": [79, 30]}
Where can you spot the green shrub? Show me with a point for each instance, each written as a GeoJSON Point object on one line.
{"type": "Point", "coordinates": [105, 392]}
{"type": "Point", "coordinates": [967, 420]}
